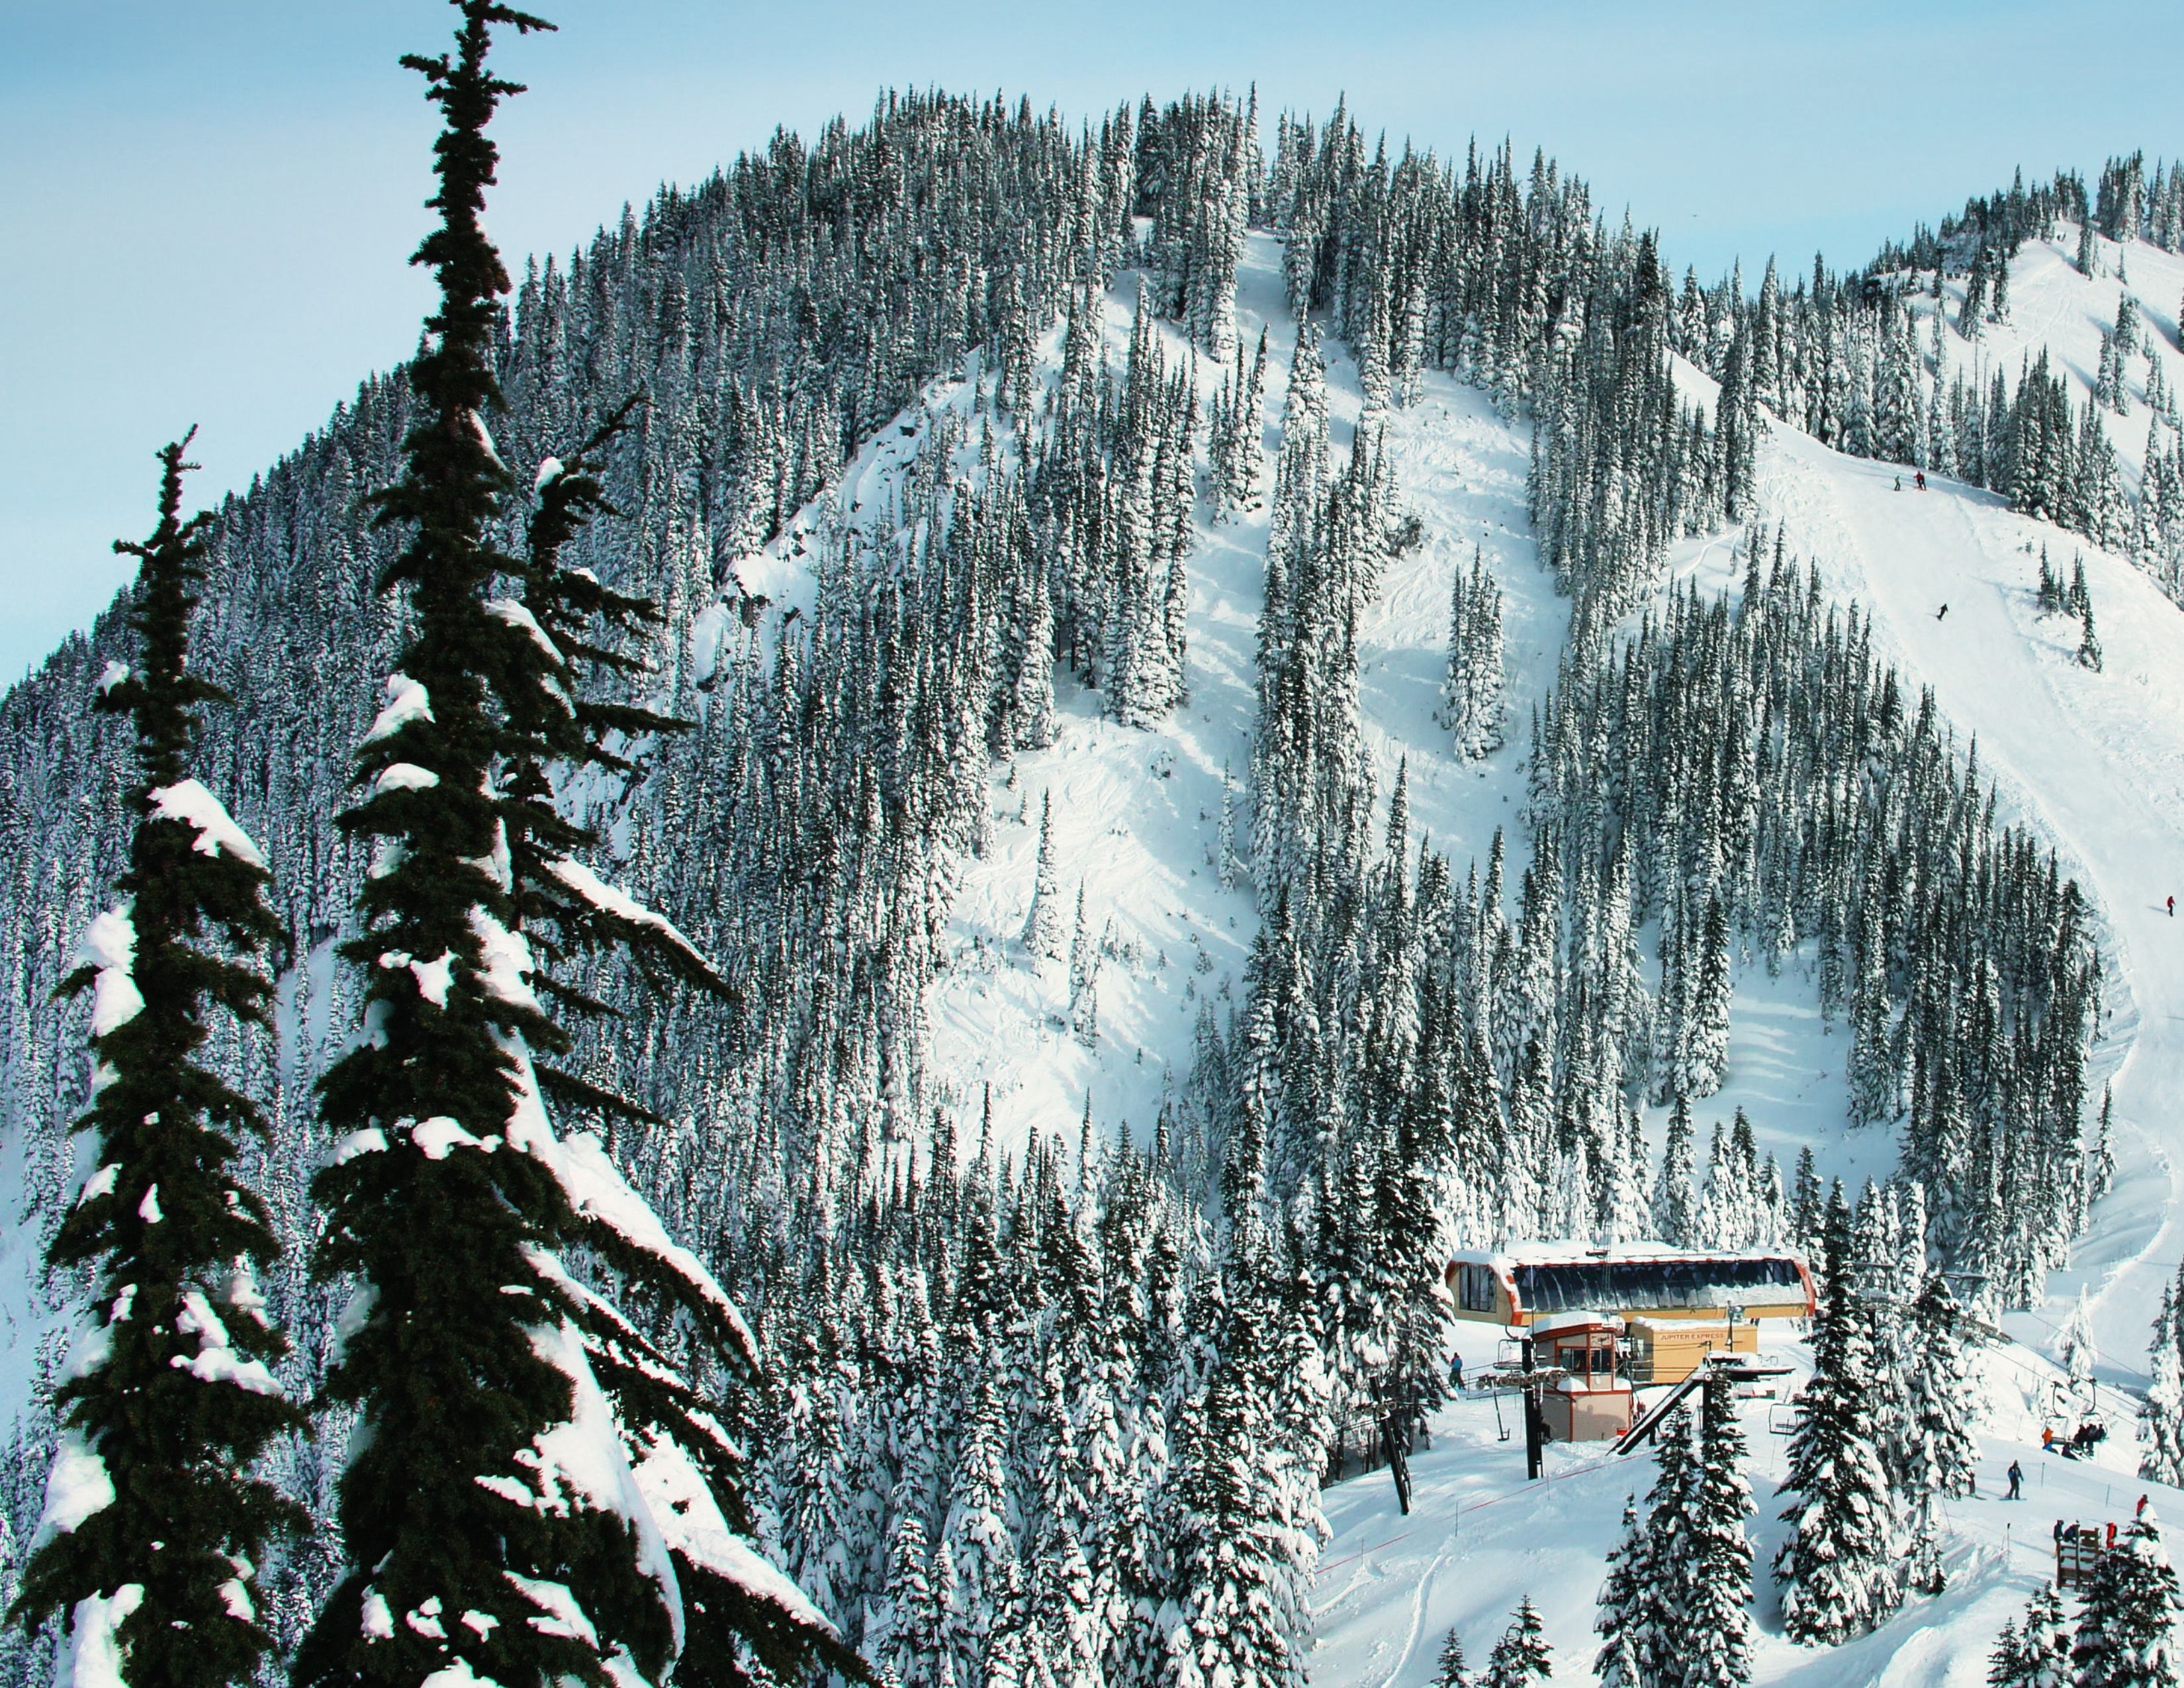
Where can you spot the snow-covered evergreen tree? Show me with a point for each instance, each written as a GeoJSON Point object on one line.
{"type": "Point", "coordinates": [1675, 1204]}
{"type": "Point", "coordinates": [1623, 1603]}
{"type": "Point", "coordinates": [1042, 926]}
{"type": "Point", "coordinates": [2037, 1655]}
{"type": "Point", "coordinates": [2089, 642]}
{"type": "Point", "coordinates": [156, 1517]}
{"type": "Point", "coordinates": [1084, 978]}
{"type": "Point", "coordinates": [2075, 1350]}
{"type": "Point", "coordinates": [1449, 1669]}
{"type": "Point", "coordinates": [1938, 1454]}
{"type": "Point", "coordinates": [985, 1577]}
{"type": "Point", "coordinates": [2161, 1418]}
{"type": "Point", "coordinates": [1706, 1051]}
{"type": "Point", "coordinates": [1522, 1656]}
{"type": "Point", "coordinates": [1471, 686]}
{"type": "Point", "coordinates": [1714, 1616]}
{"type": "Point", "coordinates": [1838, 1570]}
{"type": "Point", "coordinates": [2046, 1637]}
{"type": "Point", "coordinates": [2127, 1635]}
{"type": "Point", "coordinates": [534, 1486]}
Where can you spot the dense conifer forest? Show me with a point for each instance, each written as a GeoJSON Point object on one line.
{"type": "Point", "coordinates": [1009, 1411]}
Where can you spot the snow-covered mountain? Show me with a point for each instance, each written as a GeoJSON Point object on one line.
{"type": "Point", "coordinates": [909, 488]}
{"type": "Point", "coordinates": [2095, 759]}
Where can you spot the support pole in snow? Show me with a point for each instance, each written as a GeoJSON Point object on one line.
{"type": "Point", "coordinates": [1395, 1440]}
{"type": "Point", "coordinates": [1536, 1420]}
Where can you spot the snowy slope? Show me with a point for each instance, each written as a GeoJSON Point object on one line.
{"type": "Point", "coordinates": [1480, 1539]}
{"type": "Point", "coordinates": [1136, 813]}
{"type": "Point", "coordinates": [2096, 762]}
{"type": "Point", "coordinates": [2097, 759]}
{"type": "Point", "coordinates": [2052, 305]}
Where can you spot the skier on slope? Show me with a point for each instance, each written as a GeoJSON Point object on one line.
{"type": "Point", "coordinates": [1941, 613]}
{"type": "Point", "coordinates": [1922, 479]}
{"type": "Point", "coordinates": [2172, 908]}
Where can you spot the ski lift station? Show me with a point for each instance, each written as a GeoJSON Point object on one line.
{"type": "Point", "coordinates": [1592, 1400]}
{"type": "Point", "coordinates": [1628, 1317]}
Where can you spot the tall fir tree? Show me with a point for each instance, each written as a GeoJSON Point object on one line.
{"type": "Point", "coordinates": [155, 1522]}
{"type": "Point", "coordinates": [1837, 1569]}
{"type": "Point", "coordinates": [1675, 1204]}
{"type": "Point", "coordinates": [1622, 1596]}
{"type": "Point", "coordinates": [531, 1486]}
{"type": "Point", "coordinates": [1938, 1453]}
{"type": "Point", "coordinates": [1656, 1621]}
{"type": "Point", "coordinates": [1042, 926]}
{"type": "Point", "coordinates": [1716, 1615]}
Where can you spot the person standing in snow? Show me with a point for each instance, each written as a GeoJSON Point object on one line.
{"type": "Point", "coordinates": [1455, 1372]}
{"type": "Point", "coordinates": [1922, 479]}
{"type": "Point", "coordinates": [1942, 612]}
{"type": "Point", "coordinates": [2016, 1482]}
{"type": "Point", "coordinates": [2172, 908]}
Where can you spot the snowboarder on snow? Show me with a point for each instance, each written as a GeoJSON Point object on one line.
{"type": "Point", "coordinates": [1942, 612]}
{"type": "Point", "coordinates": [2172, 908]}
{"type": "Point", "coordinates": [2016, 1482]}
{"type": "Point", "coordinates": [1899, 483]}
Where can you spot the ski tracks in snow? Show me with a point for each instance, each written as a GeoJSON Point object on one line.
{"type": "Point", "coordinates": [1418, 1598]}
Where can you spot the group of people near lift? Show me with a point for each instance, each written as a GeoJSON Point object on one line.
{"type": "Point", "coordinates": [2078, 1444]}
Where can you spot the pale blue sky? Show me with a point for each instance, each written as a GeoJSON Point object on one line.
{"type": "Point", "coordinates": [207, 208]}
